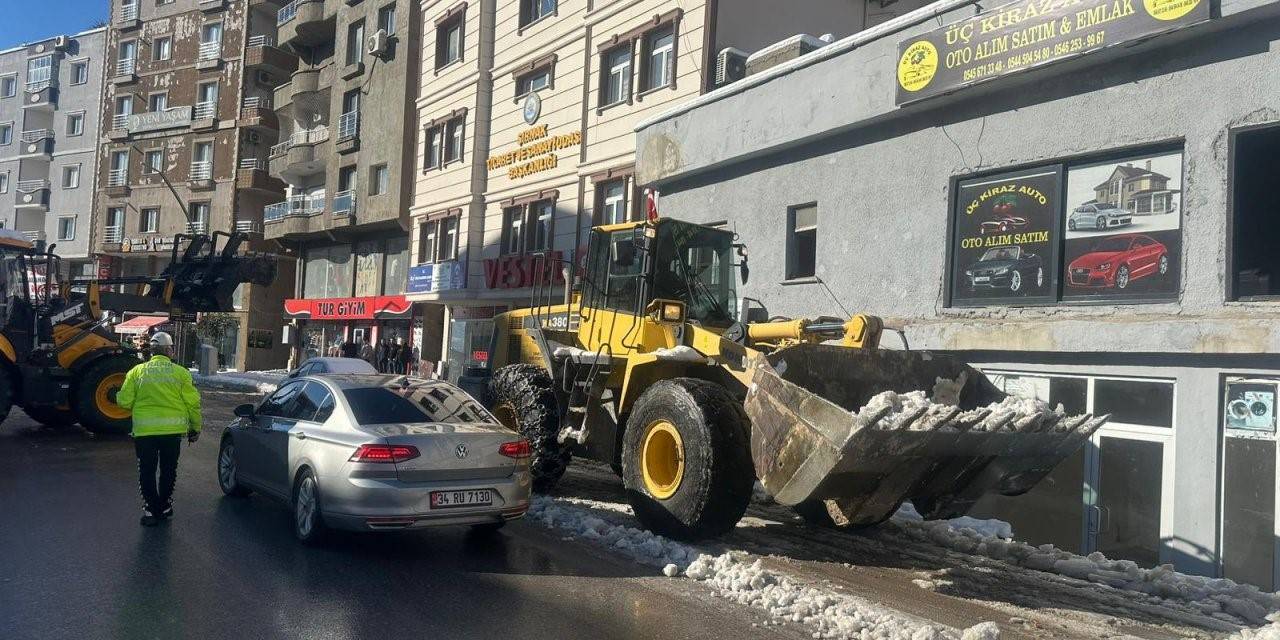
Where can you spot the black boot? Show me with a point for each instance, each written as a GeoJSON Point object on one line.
{"type": "Point", "coordinates": [167, 513]}
{"type": "Point", "coordinates": [148, 520]}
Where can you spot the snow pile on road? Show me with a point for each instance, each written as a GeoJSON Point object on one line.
{"type": "Point", "coordinates": [829, 614]}
{"type": "Point", "coordinates": [1217, 597]}
{"type": "Point", "coordinates": [1269, 632]}
{"type": "Point", "coordinates": [990, 527]}
{"type": "Point", "coordinates": [251, 381]}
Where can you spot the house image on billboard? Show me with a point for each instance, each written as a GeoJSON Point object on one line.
{"type": "Point", "coordinates": [1138, 189]}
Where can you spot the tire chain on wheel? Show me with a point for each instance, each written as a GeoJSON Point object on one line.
{"type": "Point", "coordinates": [528, 389]}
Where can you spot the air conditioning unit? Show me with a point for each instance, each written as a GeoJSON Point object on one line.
{"type": "Point", "coordinates": [264, 78]}
{"type": "Point", "coordinates": [61, 43]}
{"type": "Point", "coordinates": [379, 43]}
{"type": "Point", "coordinates": [731, 66]}
{"type": "Point", "coordinates": [252, 137]}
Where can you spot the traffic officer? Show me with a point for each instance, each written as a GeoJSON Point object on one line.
{"type": "Point", "coordinates": [165, 406]}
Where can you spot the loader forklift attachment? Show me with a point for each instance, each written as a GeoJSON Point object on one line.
{"type": "Point", "coordinates": [864, 430]}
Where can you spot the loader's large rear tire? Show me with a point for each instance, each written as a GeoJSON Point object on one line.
{"type": "Point", "coordinates": [52, 416]}
{"type": "Point", "coordinates": [686, 461]}
{"type": "Point", "coordinates": [94, 396]}
{"type": "Point", "coordinates": [525, 401]}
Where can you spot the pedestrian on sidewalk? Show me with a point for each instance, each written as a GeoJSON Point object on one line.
{"type": "Point", "coordinates": [166, 407]}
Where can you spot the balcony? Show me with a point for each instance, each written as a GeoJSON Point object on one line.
{"type": "Point", "coordinates": [292, 217]}
{"type": "Point", "coordinates": [348, 132]}
{"type": "Point", "coordinates": [306, 22]}
{"type": "Point", "coordinates": [127, 17]}
{"type": "Point", "coordinates": [344, 203]}
{"type": "Point", "coordinates": [37, 144]}
{"type": "Point", "coordinates": [251, 174]}
{"type": "Point", "coordinates": [248, 226]}
{"type": "Point", "coordinates": [41, 95]}
{"type": "Point", "coordinates": [256, 113]}
{"type": "Point", "coordinates": [261, 54]}
{"type": "Point", "coordinates": [204, 115]}
{"type": "Point", "coordinates": [113, 235]}
{"type": "Point", "coordinates": [301, 154]}
{"type": "Point", "coordinates": [117, 183]}
{"type": "Point", "coordinates": [212, 5]}
{"type": "Point", "coordinates": [197, 227]}
{"type": "Point", "coordinates": [200, 175]}
{"type": "Point", "coordinates": [126, 71]}
{"type": "Point", "coordinates": [32, 195]}
{"type": "Point", "coordinates": [209, 55]}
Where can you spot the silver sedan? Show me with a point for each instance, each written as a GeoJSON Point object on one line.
{"type": "Point", "coordinates": [376, 452]}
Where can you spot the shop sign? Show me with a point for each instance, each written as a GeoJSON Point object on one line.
{"type": "Point", "coordinates": [1005, 238]}
{"type": "Point", "coordinates": [1029, 34]}
{"type": "Point", "coordinates": [146, 244]}
{"type": "Point", "coordinates": [157, 120]}
{"type": "Point", "coordinates": [367, 308]}
{"type": "Point", "coordinates": [536, 152]}
{"type": "Point", "coordinates": [443, 276]}
{"type": "Point", "coordinates": [518, 272]}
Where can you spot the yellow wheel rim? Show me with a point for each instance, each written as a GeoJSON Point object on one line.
{"type": "Point", "coordinates": [662, 459]}
{"type": "Point", "coordinates": [105, 397]}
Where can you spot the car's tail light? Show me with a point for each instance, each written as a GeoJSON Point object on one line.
{"type": "Point", "coordinates": [384, 453]}
{"type": "Point", "coordinates": [517, 449]}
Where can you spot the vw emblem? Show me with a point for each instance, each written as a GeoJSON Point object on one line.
{"type": "Point", "coordinates": [461, 451]}
{"type": "Point", "coordinates": [532, 108]}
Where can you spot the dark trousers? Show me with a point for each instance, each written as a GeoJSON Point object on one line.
{"type": "Point", "coordinates": [153, 451]}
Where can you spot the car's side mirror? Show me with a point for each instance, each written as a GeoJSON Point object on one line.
{"type": "Point", "coordinates": [244, 411]}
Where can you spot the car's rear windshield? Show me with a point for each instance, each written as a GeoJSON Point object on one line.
{"type": "Point", "coordinates": [415, 403]}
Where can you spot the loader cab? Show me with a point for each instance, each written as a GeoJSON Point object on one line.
{"type": "Point", "coordinates": [630, 265]}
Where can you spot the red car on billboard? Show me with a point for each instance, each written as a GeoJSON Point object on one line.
{"type": "Point", "coordinates": [1116, 261]}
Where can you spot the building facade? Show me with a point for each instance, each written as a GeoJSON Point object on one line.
{"type": "Point", "coordinates": [187, 122]}
{"type": "Point", "coordinates": [50, 102]}
{"type": "Point", "coordinates": [347, 165]}
{"type": "Point", "coordinates": [526, 112]}
{"type": "Point", "coordinates": [1096, 232]}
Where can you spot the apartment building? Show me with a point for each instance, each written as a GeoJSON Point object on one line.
{"type": "Point", "coordinates": [187, 123]}
{"type": "Point", "coordinates": [50, 100]}
{"type": "Point", "coordinates": [348, 167]}
{"type": "Point", "coordinates": [525, 132]}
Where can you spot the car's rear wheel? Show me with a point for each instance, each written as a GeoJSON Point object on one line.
{"type": "Point", "coordinates": [308, 524]}
{"type": "Point", "coordinates": [1122, 277]}
{"type": "Point", "coordinates": [228, 476]}
{"type": "Point", "coordinates": [1164, 264]}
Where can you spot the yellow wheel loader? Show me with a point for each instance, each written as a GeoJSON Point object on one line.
{"type": "Point", "coordinates": [60, 361]}
{"type": "Point", "coordinates": [651, 363]}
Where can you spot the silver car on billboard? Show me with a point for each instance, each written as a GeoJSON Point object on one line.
{"type": "Point", "coordinates": [376, 453]}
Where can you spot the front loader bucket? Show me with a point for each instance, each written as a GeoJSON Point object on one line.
{"type": "Point", "coordinates": [824, 428]}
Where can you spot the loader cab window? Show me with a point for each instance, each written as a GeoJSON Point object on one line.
{"type": "Point", "coordinates": [614, 270]}
{"type": "Point", "coordinates": [694, 264]}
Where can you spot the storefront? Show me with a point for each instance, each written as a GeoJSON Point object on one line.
{"type": "Point", "coordinates": [326, 324]}
{"type": "Point", "coordinates": [1096, 233]}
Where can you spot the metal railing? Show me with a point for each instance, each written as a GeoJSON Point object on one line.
{"type": "Point", "coordinates": [278, 150]}
{"type": "Point", "coordinates": [120, 121]}
{"type": "Point", "coordinates": [299, 138]}
{"type": "Point", "coordinates": [261, 41]}
{"type": "Point", "coordinates": [33, 236]}
{"type": "Point", "coordinates": [128, 12]}
{"type": "Point", "coordinates": [126, 66]}
{"type": "Point", "coordinates": [203, 110]}
{"type": "Point", "coordinates": [201, 170]}
{"type": "Point", "coordinates": [36, 135]}
{"type": "Point", "coordinates": [348, 125]}
{"type": "Point", "coordinates": [210, 50]}
{"type": "Point", "coordinates": [287, 12]}
{"type": "Point", "coordinates": [112, 235]}
{"type": "Point", "coordinates": [256, 102]}
{"type": "Point", "coordinates": [344, 203]}
{"type": "Point", "coordinates": [299, 205]}
{"type": "Point", "coordinates": [248, 226]}
{"type": "Point", "coordinates": [197, 226]}
{"type": "Point", "coordinates": [252, 163]}
{"type": "Point", "coordinates": [38, 86]}
{"type": "Point", "coordinates": [117, 177]}
{"type": "Point", "coordinates": [33, 185]}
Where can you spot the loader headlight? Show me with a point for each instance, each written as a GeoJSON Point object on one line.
{"type": "Point", "coordinates": [672, 312]}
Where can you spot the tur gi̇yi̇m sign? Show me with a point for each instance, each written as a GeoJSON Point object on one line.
{"type": "Point", "coordinates": [1028, 34]}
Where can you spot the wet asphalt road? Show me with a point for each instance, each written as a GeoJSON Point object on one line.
{"type": "Point", "coordinates": [74, 563]}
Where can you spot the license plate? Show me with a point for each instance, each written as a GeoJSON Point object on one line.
{"type": "Point", "coordinates": [981, 279]}
{"type": "Point", "coordinates": [466, 498]}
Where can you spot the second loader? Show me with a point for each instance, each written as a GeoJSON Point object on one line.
{"type": "Point", "coordinates": [652, 364]}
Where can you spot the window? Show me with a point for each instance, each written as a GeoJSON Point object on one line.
{"type": "Point", "coordinates": [425, 401]}
{"type": "Point", "coordinates": [528, 228]}
{"type": "Point", "coordinates": [161, 48]}
{"type": "Point", "coordinates": [379, 180]}
{"type": "Point", "coordinates": [124, 105]}
{"type": "Point", "coordinates": [448, 247]}
{"type": "Point", "coordinates": [427, 234]}
{"type": "Point", "coordinates": [453, 131]}
{"type": "Point", "coordinates": [6, 133]}
{"type": "Point", "coordinates": [540, 218]}
{"type": "Point", "coordinates": [39, 72]}
{"type": "Point", "coordinates": [355, 42]}
{"type": "Point", "coordinates": [535, 80]}
{"type": "Point", "coordinates": [434, 145]}
{"type": "Point", "coordinates": [444, 141]}
{"type": "Point", "coordinates": [206, 101]}
{"type": "Point", "coordinates": [202, 161]}
{"type": "Point", "coordinates": [150, 220]}
{"type": "Point", "coordinates": [612, 201]}
{"type": "Point", "coordinates": [79, 72]}
{"type": "Point", "coordinates": [157, 102]}
{"type": "Point", "coordinates": [659, 59]}
{"type": "Point", "coordinates": [328, 272]}
{"type": "Point", "coordinates": [71, 176]}
{"type": "Point", "coordinates": [115, 221]}
{"type": "Point", "coordinates": [128, 52]}
{"type": "Point", "coordinates": [1255, 264]}
{"type": "Point", "coordinates": [153, 161]}
{"type": "Point", "coordinates": [277, 405]}
{"type": "Point", "coordinates": [347, 178]}
{"type": "Point", "coordinates": [66, 228]}
{"type": "Point", "coordinates": [615, 76]}
{"type": "Point", "coordinates": [534, 10]}
{"type": "Point", "coordinates": [438, 240]}
{"type": "Point", "coordinates": [802, 241]}
{"type": "Point", "coordinates": [211, 33]}
{"type": "Point", "coordinates": [4, 182]}
{"type": "Point", "coordinates": [512, 229]}
{"type": "Point", "coordinates": [8, 86]}
{"type": "Point", "coordinates": [387, 18]}
{"type": "Point", "coordinates": [395, 273]}
{"type": "Point", "coordinates": [75, 124]}
{"type": "Point", "coordinates": [199, 216]}
{"type": "Point", "coordinates": [119, 168]}
{"type": "Point", "coordinates": [449, 40]}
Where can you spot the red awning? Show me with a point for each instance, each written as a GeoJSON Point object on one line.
{"type": "Point", "coordinates": [140, 324]}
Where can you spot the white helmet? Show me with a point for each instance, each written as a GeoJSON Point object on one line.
{"type": "Point", "coordinates": [161, 339]}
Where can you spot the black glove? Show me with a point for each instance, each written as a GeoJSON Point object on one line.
{"type": "Point", "coordinates": [192, 436]}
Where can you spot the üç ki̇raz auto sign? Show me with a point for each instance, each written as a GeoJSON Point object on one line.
{"type": "Point", "coordinates": [1029, 34]}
